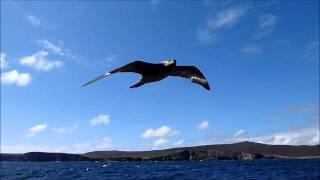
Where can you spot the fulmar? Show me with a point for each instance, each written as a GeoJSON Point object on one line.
{"type": "Point", "coordinates": [151, 72]}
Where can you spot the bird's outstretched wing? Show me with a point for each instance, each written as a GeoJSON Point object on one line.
{"type": "Point", "coordinates": [192, 73]}
{"type": "Point", "coordinates": [136, 67]}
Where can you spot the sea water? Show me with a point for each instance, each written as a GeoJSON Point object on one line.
{"type": "Point", "coordinates": [229, 169]}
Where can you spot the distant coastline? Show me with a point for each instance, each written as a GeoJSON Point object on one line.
{"type": "Point", "coordinates": [237, 151]}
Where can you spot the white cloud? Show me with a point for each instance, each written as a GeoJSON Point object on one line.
{"type": "Point", "coordinates": [266, 25]}
{"type": "Point", "coordinates": [252, 50]}
{"type": "Point", "coordinates": [223, 20]}
{"type": "Point", "coordinates": [101, 119]}
{"type": "Point", "coordinates": [68, 130]}
{"type": "Point", "coordinates": [51, 47]}
{"type": "Point", "coordinates": [14, 77]}
{"type": "Point", "coordinates": [34, 20]}
{"type": "Point", "coordinates": [299, 136]}
{"type": "Point", "coordinates": [203, 125]}
{"type": "Point", "coordinates": [239, 132]}
{"type": "Point", "coordinates": [36, 129]}
{"type": "Point", "coordinates": [104, 144]}
{"type": "Point", "coordinates": [3, 62]}
{"type": "Point", "coordinates": [178, 143]}
{"type": "Point", "coordinates": [159, 142]}
{"type": "Point", "coordinates": [40, 62]}
{"type": "Point", "coordinates": [163, 131]}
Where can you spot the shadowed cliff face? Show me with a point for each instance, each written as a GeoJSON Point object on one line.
{"type": "Point", "coordinates": [43, 157]}
{"type": "Point", "coordinates": [237, 151]}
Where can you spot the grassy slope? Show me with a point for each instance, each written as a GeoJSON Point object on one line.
{"type": "Point", "coordinates": [280, 150]}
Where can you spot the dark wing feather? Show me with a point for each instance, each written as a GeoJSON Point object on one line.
{"type": "Point", "coordinates": [136, 67]}
{"type": "Point", "coordinates": [192, 73]}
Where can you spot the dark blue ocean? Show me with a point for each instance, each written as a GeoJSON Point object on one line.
{"type": "Point", "coordinates": [252, 169]}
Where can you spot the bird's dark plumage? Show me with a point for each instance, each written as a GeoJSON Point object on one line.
{"type": "Point", "coordinates": [136, 66]}
{"type": "Point", "coordinates": [155, 72]}
{"type": "Point", "coordinates": [192, 73]}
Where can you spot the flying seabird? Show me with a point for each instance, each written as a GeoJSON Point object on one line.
{"type": "Point", "coordinates": [155, 72]}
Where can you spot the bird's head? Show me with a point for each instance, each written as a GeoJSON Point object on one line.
{"type": "Point", "coordinates": [171, 62]}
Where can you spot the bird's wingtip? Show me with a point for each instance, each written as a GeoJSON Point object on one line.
{"type": "Point", "coordinates": [84, 85]}
{"type": "Point", "coordinates": [206, 86]}
{"type": "Point", "coordinates": [96, 79]}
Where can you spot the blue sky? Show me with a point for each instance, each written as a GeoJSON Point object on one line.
{"type": "Point", "coordinates": [261, 60]}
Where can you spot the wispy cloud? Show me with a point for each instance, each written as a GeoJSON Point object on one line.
{"type": "Point", "coordinates": [223, 20]}
{"type": "Point", "coordinates": [267, 23]}
{"type": "Point", "coordinates": [155, 2]}
{"type": "Point", "coordinates": [203, 125]}
{"type": "Point", "coordinates": [272, 119]}
{"type": "Point", "coordinates": [3, 61]}
{"type": "Point", "coordinates": [36, 21]}
{"type": "Point", "coordinates": [36, 129]}
{"type": "Point", "coordinates": [63, 51]}
{"type": "Point", "coordinates": [111, 59]}
{"type": "Point", "coordinates": [208, 3]}
{"type": "Point", "coordinates": [315, 117]}
{"type": "Point", "coordinates": [159, 142]}
{"type": "Point", "coordinates": [65, 130]}
{"type": "Point", "coordinates": [252, 50]}
{"type": "Point", "coordinates": [311, 52]}
{"type": "Point", "coordinates": [14, 77]}
{"type": "Point", "coordinates": [239, 132]}
{"type": "Point", "coordinates": [304, 108]}
{"type": "Point", "coordinates": [100, 119]}
{"type": "Point", "coordinates": [310, 111]}
{"type": "Point", "coordinates": [178, 143]}
{"type": "Point", "coordinates": [163, 131]}
{"type": "Point", "coordinates": [104, 144]}
{"type": "Point", "coordinates": [81, 147]}
{"type": "Point", "coordinates": [39, 61]}
{"type": "Point", "coordinates": [51, 47]}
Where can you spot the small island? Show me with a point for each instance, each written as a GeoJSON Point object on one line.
{"type": "Point", "coordinates": [237, 151]}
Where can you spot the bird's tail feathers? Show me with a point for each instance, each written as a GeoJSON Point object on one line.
{"type": "Point", "coordinates": [96, 79]}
